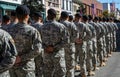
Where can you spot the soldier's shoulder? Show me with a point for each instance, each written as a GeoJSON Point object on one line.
{"type": "Point", "coordinates": [31, 28]}
{"type": "Point", "coordinates": [54, 24]}
{"type": "Point", "coordinates": [4, 34]}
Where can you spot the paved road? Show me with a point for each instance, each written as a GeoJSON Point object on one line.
{"type": "Point", "coordinates": [112, 69]}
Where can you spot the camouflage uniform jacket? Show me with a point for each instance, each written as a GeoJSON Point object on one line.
{"type": "Point", "coordinates": [28, 43]}
{"type": "Point", "coordinates": [8, 51]}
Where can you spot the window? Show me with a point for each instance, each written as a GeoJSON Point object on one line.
{"type": "Point", "coordinates": [67, 5]}
{"type": "Point", "coordinates": [53, 3]}
{"type": "Point", "coordinates": [63, 4]}
{"type": "Point", "coordinates": [70, 5]}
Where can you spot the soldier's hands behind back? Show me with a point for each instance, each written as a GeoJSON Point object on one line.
{"type": "Point", "coordinates": [49, 49]}
{"type": "Point", "coordinates": [18, 60]}
{"type": "Point", "coordinates": [78, 41]}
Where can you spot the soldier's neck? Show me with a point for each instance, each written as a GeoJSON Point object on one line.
{"type": "Point", "coordinates": [23, 21]}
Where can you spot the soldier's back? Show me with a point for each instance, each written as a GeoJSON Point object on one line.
{"type": "Point", "coordinates": [52, 32]}
{"type": "Point", "coordinates": [26, 37]}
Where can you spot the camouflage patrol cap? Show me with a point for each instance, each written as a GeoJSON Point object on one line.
{"type": "Point", "coordinates": [51, 12]}
{"type": "Point", "coordinates": [78, 15]}
{"type": "Point", "coordinates": [64, 14]}
{"type": "Point", "coordinates": [85, 17]}
{"type": "Point", "coordinates": [96, 18]}
{"type": "Point", "coordinates": [71, 17]}
{"type": "Point", "coordinates": [90, 17]}
{"type": "Point", "coordinates": [38, 14]}
{"type": "Point", "coordinates": [22, 10]}
{"type": "Point", "coordinates": [6, 18]}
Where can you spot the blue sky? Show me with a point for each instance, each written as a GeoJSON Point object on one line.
{"type": "Point", "coordinates": [116, 1]}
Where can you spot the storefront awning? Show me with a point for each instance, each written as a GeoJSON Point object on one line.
{"type": "Point", "coordinates": [7, 7]}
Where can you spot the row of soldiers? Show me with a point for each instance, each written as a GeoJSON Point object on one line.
{"type": "Point", "coordinates": [54, 49]}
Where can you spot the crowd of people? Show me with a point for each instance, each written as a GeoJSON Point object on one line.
{"type": "Point", "coordinates": [54, 48]}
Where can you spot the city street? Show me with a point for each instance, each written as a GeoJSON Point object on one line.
{"type": "Point", "coordinates": [112, 69]}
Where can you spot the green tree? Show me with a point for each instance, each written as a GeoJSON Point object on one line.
{"type": "Point", "coordinates": [112, 14]}
{"type": "Point", "coordinates": [81, 9]}
{"type": "Point", "coordinates": [106, 13]}
{"type": "Point", "coordinates": [34, 5]}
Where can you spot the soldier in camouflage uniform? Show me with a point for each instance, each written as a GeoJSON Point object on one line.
{"type": "Point", "coordinates": [108, 37]}
{"type": "Point", "coordinates": [115, 28]}
{"type": "Point", "coordinates": [111, 36]}
{"type": "Point", "coordinates": [70, 47]}
{"type": "Point", "coordinates": [100, 42]}
{"type": "Point", "coordinates": [8, 53]}
{"type": "Point", "coordinates": [104, 38]}
{"type": "Point", "coordinates": [54, 38]}
{"type": "Point", "coordinates": [81, 44]}
{"type": "Point", "coordinates": [28, 44]}
{"type": "Point", "coordinates": [39, 58]}
{"type": "Point", "coordinates": [89, 46]}
{"type": "Point", "coordinates": [94, 40]}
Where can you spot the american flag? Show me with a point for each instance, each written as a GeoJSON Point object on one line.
{"type": "Point", "coordinates": [112, 7]}
{"type": "Point", "coordinates": [93, 9]}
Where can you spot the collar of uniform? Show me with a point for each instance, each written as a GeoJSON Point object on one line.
{"type": "Point", "coordinates": [51, 20]}
{"type": "Point", "coordinates": [22, 24]}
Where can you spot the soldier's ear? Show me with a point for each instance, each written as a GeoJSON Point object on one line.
{"type": "Point", "coordinates": [26, 16]}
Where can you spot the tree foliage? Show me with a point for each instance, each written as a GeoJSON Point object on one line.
{"type": "Point", "coordinates": [81, 9]}
{"type": "Point", "coordinates": [34, 5]}
{"type": "Point", "coordinates": [107, 14]}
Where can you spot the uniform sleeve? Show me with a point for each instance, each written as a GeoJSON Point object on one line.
{"type": "Point", "coordinates": [116, 27]}
{"type": "Point", "coordinates": [88, 33]}
{"type": "Point", "coordinates": [98, 30]}
{"type": "Point", "coordinates": [106, 29]}
{"type": "Point", "coordinates": [36, 47]}
{"type": "Point", "coordinates": [9, 54]}
{"type": "Point", "coordinates": [102, 30]}
{"type": "Point", "coordinates": [74, 33]}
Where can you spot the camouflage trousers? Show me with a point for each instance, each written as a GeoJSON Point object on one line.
{"type": "Point", "coordinates": [104, 47]}
{"type": "Point", "coordinates": [114, 41]}
{"type": "Point", "coordinates": [54, 64]}
{"type": "Point", "coordinates": [70, 60]}
{"type": "Point", "coordinates": [5, 74]}
{"type": "Point", "coordinates": [20, 72]}
{"type": "Point", "coordinates": [108, 44]}
{"type": "Point", "coordinates": [39, 65]}
{"type": "Point", "coordinates": [81, 55]}
{"type": "Point", "coordinates": [100, 49]}
{"type": "Point", "coordinates": [111, 43]}
{"type": "Point", "coordinates": [94, 57]}
{"type": "Point", "coordinates": [89, 55]}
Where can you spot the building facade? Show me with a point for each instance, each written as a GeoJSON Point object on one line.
{"type": "Point", "coordinates": [55, 4]}
{"type": "Point", "coordinates": [7, 5]}
{"type": "Point", "coordinates": [67, 5]}
{"type": "Point", "coordinates": [92, 7]}
{"type": "Point", "coordinates": [76, 6]}
{"type": "Point", "coordinates": [110, 7]}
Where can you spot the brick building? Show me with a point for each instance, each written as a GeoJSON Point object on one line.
{"type": "Point", "coordinates": [92, 7]}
